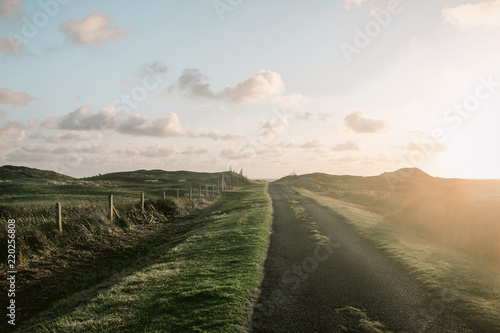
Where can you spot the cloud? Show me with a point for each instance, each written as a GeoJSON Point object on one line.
{"type": "Point", "coordinates": [191, 151]}
{"type": "Point", "coordinates": [358, 122]}
{"type": "Point", "coordinates": [107, 118]}
{"type": "Point", "coordinates": [269, 129]}
{"type": "Point", "coordinates": [10, 45]}
{"type": "Point", "coordinates": [60, 156]}
{"type": "Point", "coordinates": [95, 29]}
{"type": "Point", "coordinates": [324, 116]}
{"type": "Point", "coordinates": [316, 143]}
{"type": "Point", "coordinates": [193, 83]}
{"type": "Point", "coordinates": [12, 134]}
{"type": "Point", "coordinates": [288, 102]}
{"type": "Point", "coordinates": [349, 145]}
{"type": "Point", "coordinates": [36, 148]}
{"type": "Point", "coordinates": [83, 119]}
{"type": "Point", "coordinates": [484, 14]}
{"type": "Point", "coordinates": [264, 84]}
{"type": "Point", "coordinates": [234, 154]}
{"type": "Point", "coordinates": [2, 113]}
{"type": "Point", "coordinates": [62, 137]}
{"type": "Point", "coordinates": [158, 151]}
{"type": "Point", "coordinates": [155, 68]}
{"type": "Point", "coordinates": [304, 116]}
{"type": "Point", "coordinates": [138, 125]}
{"type": "Point", "coordinates": [7, 7]}
{"type": "Point", "coordinates": [9, 97]}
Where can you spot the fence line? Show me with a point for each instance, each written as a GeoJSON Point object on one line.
{"type": "Point", "coordinates": [112, 212]}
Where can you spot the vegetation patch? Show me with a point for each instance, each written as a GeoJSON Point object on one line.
{"type": "Point", "coordinates": [311, 226]}
{"type": "Point", "coordinates": [357, 321]}
{"type": "Point", "coordinates": [458, 280]}
{"type": "Point", "coordinates": [204, 284]}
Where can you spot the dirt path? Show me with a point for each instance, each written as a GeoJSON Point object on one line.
{"type": "Point", "coordinates": [341, 286]}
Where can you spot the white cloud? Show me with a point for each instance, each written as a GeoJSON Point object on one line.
{"type": "Point", "coordinates": [83, 119]}
{"type": "Point", "coordinates": [324, 116]}
{"type": "Point", "coordinates": [358, 122]}
{"type": "Point", "coordinates": [290, 101]}
{"type": "Point", "coordinates": [61, 137]}
{"type": "Point", "coordinates": [193, 83]}
{"type": "Point", "coordinates": [12, 134]}
{"type": "Point", "coordinates": [304, 116]}
{"type": "Point", "coordinates": [9, 97]}
{"type": "Point", "coordinates": [36, 148]}
{"type": "Point", "coordinates": [7, 7]}
{"type": "Point", "coordinates": [263, 85]}
{"type": "Point", "coordinates": [191, 151]}
{"type": "Point", "coordinates": [234, 154]}
{"type": "Point", "coordinates": [349, 145]}
{"type": "Point", "coordinates": [95, 29]}
{"type": "Point", "coordinates": [269, 129]}
{"type": "Point", "coordinates": [315, 143]}
{"type": "Point", "coordinates": [2, 113]}
{"type": "Point", "coordinates": [138, 125]}
{"type": "Point", "coordinates": [158, 151]}
{"type": "Point", "coordinates": [108, 118]}
{"type": "Point", "coordinates": [485, 14]}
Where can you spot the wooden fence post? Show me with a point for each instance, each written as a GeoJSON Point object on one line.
{"type": "Point", "coordinates": [190, 193]}
{"type": "Point", "coordinates": [111, 207]}
{"type": "Point", "coordinates": [142, 201]}
{"type": "Point", "coordinates": [218, 188]}
{"type": "Point", "coordinates": [177, 194]}
{"type": "Point", "coordinates": [200, 192]}
{"type": "Point", "coordinates": [58, 216]}
{"type": "Point", "coordinates": [163, 195]}
{"type": "Point", "coordinates": [206, 190]}
{"type": "Point", "coordinates": [213, 191]}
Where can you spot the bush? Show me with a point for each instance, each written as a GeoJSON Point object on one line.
{"type": "Point", "coordinates": [166, 207]}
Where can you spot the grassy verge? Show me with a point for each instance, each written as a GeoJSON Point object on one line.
{"type": "Point", "coordinates": [312, 227]}
{"type": "Point", "coordinates": [204, 284]}
{"type": "Point", "coordinates": [458, 281]}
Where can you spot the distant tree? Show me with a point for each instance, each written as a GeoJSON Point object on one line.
{"type": "Point", "coordinates": [293, 173]}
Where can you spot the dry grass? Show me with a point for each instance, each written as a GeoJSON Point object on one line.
{"type": "Point", "coordinates": [462, 282]}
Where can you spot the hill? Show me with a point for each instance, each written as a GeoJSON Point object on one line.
{"type": "Point", "coordinates": [11, 172]}
{"type": "Point", "coordinates": [158, 176]}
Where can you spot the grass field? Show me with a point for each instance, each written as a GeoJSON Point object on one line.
{"type": "Point", "coordinates": [204, 284]}
{"type": "Point", "coordinates": [459, 281]}
{"type": "Point", "coordinates": [29, 196]}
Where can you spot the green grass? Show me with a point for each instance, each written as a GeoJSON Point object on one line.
{"type": "Point", "coordinates": [312, 227]}
{"type": "Point", "coordinates": [460, 281]}
{"type": "Point", "coordinates": [204, 284]}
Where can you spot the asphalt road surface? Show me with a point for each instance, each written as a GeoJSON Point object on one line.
{"type": "Point", "coordinates": [305, 285]}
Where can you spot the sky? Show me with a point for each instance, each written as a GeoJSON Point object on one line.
{"type": "Point", "coordinates": [357, 87]}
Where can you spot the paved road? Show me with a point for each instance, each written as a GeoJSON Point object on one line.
{"type": "Point", "coordinates": [305, 283]}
